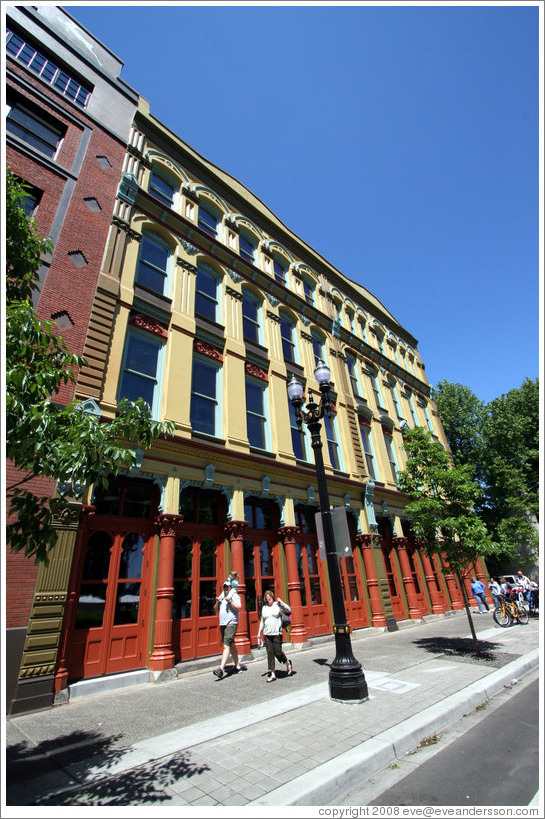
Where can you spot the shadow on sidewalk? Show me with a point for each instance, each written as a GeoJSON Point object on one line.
{"type": "Point", "coordinates": [145, 784]}
{"type": "Point", "coordinates": [463, 649]}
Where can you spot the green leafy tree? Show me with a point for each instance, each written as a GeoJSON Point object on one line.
{"type": "Point", "coordinates": [462, 415]}
{"type": "Point", "coordinates": [45, 439]}
{"type": "Point", "coordinates": [501, 441]}
{"type": "Point", "coordinates": [441, 507]}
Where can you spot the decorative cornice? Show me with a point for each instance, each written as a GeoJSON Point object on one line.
{"type": "Point", "coordinates": [273, 301]}
{"type": "Point", "coordinates": [273, 317]}
{"type": "Point", "coordinates": [306, 336]}
{"type": "Point", "coordinates": [186, 265]}
{"type": "Point", "coordinates": [234, 293]}
{"type": "Point", "coordinates": [255, 371]}
{"type": "Point", "coordinates": [188, 247]}
{"type": "Point", "coordinates": [267, 251]}
{"type": "Point", "coordinates": [120, 223]}
{"type": "Point", "coordinates": [148, 324]}
{"type": "Point", "coordinates": [133, 151]}
{"type": "Point", "coordinates": [189, 194]}
{"type": "Point", "coordinates": [206, 349]}
{"type": "Point", "coordinates": [232, 226]}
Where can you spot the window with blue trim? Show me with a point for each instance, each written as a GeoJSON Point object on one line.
{"type": "Point", "coordinates": [353, 375]}
{"type": "Point", "coordinates": [287, 333]}
{"type": "Point", "coordinates": [208, 220]}
{"type": "Point", "coordinates": [206, 293]}
{"type": "Point", "coordinates": [246, 248]}
{"type": "Point", "coordinates": [251, 310]}
{"type": "Point", "coordinates": [280, 273]}
{"type": "Point", "coordinates": [388, 441]}
{"type": "Point", "coordinates": [297, 435]}
{"type": "Point", "coordinates": [154, 264]}
{"type": "Point", "coordinates": [204, 412]}
{"type": "Point", "coordinates": [308, 289]}
{"type": "Point", "coordinates": [368, 449]}
{"type": "Point", "coordinates": [256, 416]}
{"type": "Point", "coordinates": [140, 372]}
{"type": "Point", "coordinates": [162, 188]}
{"type": "Point", "coordinates": [332, 443]}
{"type": "Point", "coordinates": [318, 348]}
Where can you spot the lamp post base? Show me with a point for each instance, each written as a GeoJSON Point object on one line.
{"type": "Point", "coordinates": [346, 678]}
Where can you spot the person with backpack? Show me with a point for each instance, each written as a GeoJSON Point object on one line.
{"type": "Point", "coordinates": [270, 626]}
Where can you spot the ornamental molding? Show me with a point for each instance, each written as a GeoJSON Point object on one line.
{"type": "Point", "coordinates": [306, 336]}
{"type": "Point", "coordinates": [133, 151]}
{"type": "Point", "coordinates": [148, 324]}
{"type": "Point", "coordinates": [189, 194]}
{"type": "Point", "coordinates": [234, 293]}
{"type": "Point", "coordinates": [255, 371]}
{"type": "Point", "coordinates": [66, 518]}
{"type": "Point", "coordinates": [232, 226]}
{"type": "Point", "coordinates": [267, 251]}
{"type": "Point", "coordinates": [273, 301]}
{"type": "Point", "coordinates": [122, 225]}
{"type": "Point", "coordinates": [186, 265]}
{"type": "Point", "coordinates": [204, 348]}
{"type": "Point", "coordinates": [273, 317]}
{"type": "Point", "coordinates": [235, 277]}
{"type": "Point", "coordinates": [169, 525]}
{"type": "Point", "coordinates": [188, 247]}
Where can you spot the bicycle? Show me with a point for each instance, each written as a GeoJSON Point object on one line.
{"type": "Point", "coordinates": [510, 611]}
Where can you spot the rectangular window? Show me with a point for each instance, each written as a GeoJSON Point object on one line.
{"type": "Point", "coordinates": [255, 413]}
{"type": "Point", "coordinates": [250, 319]}
{"type": "Point", "coordinates": [246, 249]}
{"type": "Point", "coordinates": [44, 68]}
{"type": "Point", "coordinates": [353, 374]}
{"type": "Point", "coordinates": [390, 452]}
{"type": "Point", "coordinates": [204, 414]}
{"type": "Point", "coordinates": [208, 221]}
{"type": "Point", "coordinates": [152, 270]}
{"type": "Point", "coordinates": [288, 344]}
{"type": "Point", "coordinates": [162, 189]}
{"type": "Point", "coordinates": [32, 129]}
{"type": "Point", "coordinates": [308, 290]}
{"type": "Point", "coordinates": [206, 295]}
{"type": "Point", "coordinates": [279, 272]}
{"type": "Point", "coordinates": [368, 450]}
{"type": "Point", "coordinates": [140, 371]}
{"type": "Point", "coordinates": [297, 436]}
{"type": "Point", "coordinates": [332, 445]}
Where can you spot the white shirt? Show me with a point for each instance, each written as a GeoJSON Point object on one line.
{"type": "Point", "coordinates": [271, 618]}
{"type": "Point", "coordinates": [227, 613]}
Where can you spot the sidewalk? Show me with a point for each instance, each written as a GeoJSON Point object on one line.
{"type": "Point", "coordinates": [202, 741]}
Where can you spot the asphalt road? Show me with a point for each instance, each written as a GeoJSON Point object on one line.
{"type": "Point", "coordinates": [491, 758]}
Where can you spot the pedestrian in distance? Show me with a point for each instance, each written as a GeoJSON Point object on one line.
{"type": "Point", "coordinates": [270, 626]}
{"type": "Point", "coordinates": [495, 591]}
{"type": "Point", "coordinates": [524, 583]}
{"type": "Point", "coordinates": [478, 591]}
{"type": "Point", "coordinates": [228, 605]}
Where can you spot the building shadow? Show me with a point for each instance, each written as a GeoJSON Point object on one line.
{"type": "Point", "coordinates": [146, 783]}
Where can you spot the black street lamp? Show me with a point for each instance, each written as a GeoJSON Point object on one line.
{"type": "Point", "coordinates": [346, 678]}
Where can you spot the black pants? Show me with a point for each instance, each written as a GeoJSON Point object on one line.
{"type": "Point", "coordinates": [273, 644]}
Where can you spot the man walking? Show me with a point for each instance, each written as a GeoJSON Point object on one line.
{"type": "Point", "coordinates": [228, 604]}
{"type": "Point", "coordinates": [478, 591]}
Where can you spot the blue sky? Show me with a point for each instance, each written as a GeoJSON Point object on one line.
{"type": "Point", "coordinates": [400, 142]}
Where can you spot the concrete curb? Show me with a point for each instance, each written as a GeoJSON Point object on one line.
{"type": "Point", "coordinates": [330, 781]}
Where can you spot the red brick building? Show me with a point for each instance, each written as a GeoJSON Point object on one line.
{"type": "Point", "coordinates": [68, 121]}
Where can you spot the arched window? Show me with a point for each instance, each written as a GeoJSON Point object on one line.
{"type": "Point", "coordinates": [163, 186]}
{"type": "Point", "coordinates": [309, 288]}
{"type": "Point", "coordinates": [318, 347]}
{"type": "Point", "coordinates": [287, 332]}
{"type": "Point", "coordinates": [154, 264]}
{"type": "Point", "coordinates": [280, 271]}
{"type": "Point", "coordinates": [207, 303]}
{"type": "Point", "coordinates": [251, 317]}
{"type": "Point", "coordinates": [247, 247]}
{"type": "Point", "coordinates": [208, 219]}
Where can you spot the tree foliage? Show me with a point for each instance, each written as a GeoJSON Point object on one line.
{"type": "Point", "coordinates": [45, 439]}
{"type": "Point", "coordinates": [501, 441]}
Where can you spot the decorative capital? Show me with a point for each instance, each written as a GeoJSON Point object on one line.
{"type": "Point", "coordinates": [289, 533]}
{"type": "Point", "coordinates": [169, 525]}
{"type": "Point", "coordinates": [400, 542]}
{"type": "Point", "coordinates": [235, 529]}
{"type": "Point", "coordinates": [364, 541]}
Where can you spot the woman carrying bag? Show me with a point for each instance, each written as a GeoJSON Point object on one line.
{"type": "Point", "coordinates": [270, 626]}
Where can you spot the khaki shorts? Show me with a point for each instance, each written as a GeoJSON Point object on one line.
{"type": "Point", "coordinates": [228, 633]}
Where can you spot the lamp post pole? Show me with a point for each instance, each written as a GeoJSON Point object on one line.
{"type": "Point", "coordinates": [346, 678]}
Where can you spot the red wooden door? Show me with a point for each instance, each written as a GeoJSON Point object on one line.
{"type": "Point", "coordinates": [419, 581]}
{"type": "Point", "coordinates": [356, 610]}
{"type": "Point", "coordinates": [197, 560]}
{"type": "Point", "coordinates": [316, 615]}
{"type": "Point", "coordinates": [110, 628]}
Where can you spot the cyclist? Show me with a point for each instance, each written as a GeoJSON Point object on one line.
{"type": "Point", "coordinates": [524, 583]}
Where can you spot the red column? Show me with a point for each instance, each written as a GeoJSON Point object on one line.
{"type": "Point", "coordinates": [456, 598]}
{"type": "Point", "coordinates": [437, 604]}
{"type": "Point", "coordinates": [400, 544]}
{"type": "Point", "coordinates": [61, 674]}
{"type": "Point", "coordinates": [234, 530]}
{"type": "Point", "coordinates": [162, 656]}
{"type": "Point", "coordinates": [298, 633]}
{"type": "Point", "coordinates": [365, 543]}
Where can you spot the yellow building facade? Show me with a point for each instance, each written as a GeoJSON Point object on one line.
{"type": "Point", "coordinates": [206, 306]}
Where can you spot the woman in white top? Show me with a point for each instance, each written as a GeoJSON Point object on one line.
{"type": "Point", "coordinates": [270, 626]}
